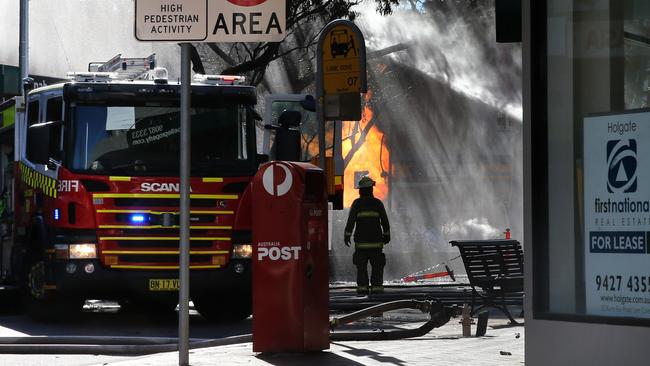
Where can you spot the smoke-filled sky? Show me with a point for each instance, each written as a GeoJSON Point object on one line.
{"type": "Point", "coordinates": [65, 35]}
{"type": "Point", "coordinates": [450, 107]}
{"type": "Point", "coordinates": [445, 93]}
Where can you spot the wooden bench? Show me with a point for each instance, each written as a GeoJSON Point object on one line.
{"type": "Point", "coordinates": [496, 268]}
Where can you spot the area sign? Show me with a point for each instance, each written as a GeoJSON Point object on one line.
{"type": "Point", "coordinates": [246, 20]}
{"type": "Point", "coordinates": [210, 20]}
{"type": "Point", "coordinates": [617, 214]}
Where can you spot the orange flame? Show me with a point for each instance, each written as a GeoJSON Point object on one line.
{"type": "Point", "coordinates": [371, 156]}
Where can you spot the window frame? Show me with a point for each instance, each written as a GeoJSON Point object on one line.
{"type": "Point", "coordinates": [539, 184]}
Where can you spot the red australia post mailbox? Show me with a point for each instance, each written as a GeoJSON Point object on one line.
{"type": "Point", "coordinates": [290, 258]}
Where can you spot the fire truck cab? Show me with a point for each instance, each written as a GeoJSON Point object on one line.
{"type": "Point", "coordinates": [92, 193]}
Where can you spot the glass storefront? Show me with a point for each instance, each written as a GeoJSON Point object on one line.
{"type": "Point", "coordinates": [591, 132]}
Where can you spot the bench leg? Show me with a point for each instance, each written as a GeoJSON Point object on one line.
{"type": "Point", "coordinates": [471, 313]}
{"type": "Point", "coordinates": [492, 300]}
{"type": "Point", "coordinates": [504, 309]}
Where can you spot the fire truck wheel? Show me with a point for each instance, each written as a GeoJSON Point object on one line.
{"type": "Point", "coordinates": [43, 303]}
{"type": "Point", "coordinates": [216, 309]}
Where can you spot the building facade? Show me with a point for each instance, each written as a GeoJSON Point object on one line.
{"type": "Point", "coordinates": [587, 181]}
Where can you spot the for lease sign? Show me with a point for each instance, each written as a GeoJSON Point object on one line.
{"type": "Point", "coordinates": [210, 20]}
{"type": "Point", "coordinates": [617, 214]}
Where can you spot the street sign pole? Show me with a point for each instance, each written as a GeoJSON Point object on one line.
{"type": "Point", "coordinates": [184, 265]}
{"type": "Point", "coordinates": [24, 42]}
{"type": "Point", "coordinates": [200, 21]}
{"type": "Point", "coordinates": [320, 118]}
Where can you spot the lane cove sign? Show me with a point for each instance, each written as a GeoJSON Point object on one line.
{"type": "Point", "coordinates": [210, 20]}
{"type": "Point", "coordinates": [341, 71]}
{"type": "Point", "coordinates": [341, 55]}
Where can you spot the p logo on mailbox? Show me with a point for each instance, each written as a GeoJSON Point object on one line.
{"type": "Point", "coordinates": [277, 179]}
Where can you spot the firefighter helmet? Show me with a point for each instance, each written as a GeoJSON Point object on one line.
{"type": "Point", "coordinates": [366, 182]}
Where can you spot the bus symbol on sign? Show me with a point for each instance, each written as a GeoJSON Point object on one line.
{"type": "Point", "coordinates": [341, 61]}
{"type": "Point", "coordinates": [341, 43]}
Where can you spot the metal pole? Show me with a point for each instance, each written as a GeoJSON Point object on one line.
{"type": "Point", "coordinates": [24, 41]}
{"type": "Point", "coordinates": [184, 265]}
{"type": "Point", "coordinates": [320, 115]}
{"type": "Point", "coordinates": [320, 99]}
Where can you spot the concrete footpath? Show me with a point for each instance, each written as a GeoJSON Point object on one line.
{"type": "Point", "coordinates": [502, 345]}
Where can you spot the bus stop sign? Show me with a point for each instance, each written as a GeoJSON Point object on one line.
{"type": "Point", "coordinates": [341, 70]}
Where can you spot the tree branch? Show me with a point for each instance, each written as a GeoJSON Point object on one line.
{"type": "Point", "coordinates": [261, 61]}
{"type": "Point", "coordinates": [224, 56]}
{"type": "Point", "coordinates": [357, 144]}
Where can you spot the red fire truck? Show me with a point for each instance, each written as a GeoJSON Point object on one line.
{"type": "Point", "coordinates": [90, 190]}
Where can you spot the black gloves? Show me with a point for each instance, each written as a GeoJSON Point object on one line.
{"type": "Point", "coordinates": [386, 238]}
{"type": "Point", "coordinates": [347, 240]}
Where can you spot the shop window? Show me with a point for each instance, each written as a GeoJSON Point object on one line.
{"type": "Point", "coordinates": [591, 218]}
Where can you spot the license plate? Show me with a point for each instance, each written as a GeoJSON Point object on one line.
{"type": "Point", "coordinates": [168, 284]}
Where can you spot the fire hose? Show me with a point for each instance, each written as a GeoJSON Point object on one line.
{"type": "Point", "coordinates": [130, 346]}
{"type": "Point", "coordinates": [439, 315]}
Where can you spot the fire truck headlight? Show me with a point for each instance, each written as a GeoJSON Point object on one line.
{"type": "Point", "coordinates": [83, 251]}
{"type": "Point", "coordinates": [242, 251]}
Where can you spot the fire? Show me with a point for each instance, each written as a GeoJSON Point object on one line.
{"type": "Point", "coordinates": [371, 156]}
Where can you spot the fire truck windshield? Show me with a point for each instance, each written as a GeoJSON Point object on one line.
{"type": "Point", "coordinates": [145, 140]}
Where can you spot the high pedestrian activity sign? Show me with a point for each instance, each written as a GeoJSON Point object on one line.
{"type": "Point", "coordinates": [210, 20]}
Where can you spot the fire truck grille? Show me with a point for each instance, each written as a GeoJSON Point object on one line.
{"type": "Point", "coordinates": [161, 202]}
{"type": "Point", "coordinates": [141, 231]}
{"type": "Point", "coordinates": [162, 231]}
{"type": "Point", "coordinates": [157, 219]}
{"type": "Point", "coordinates": [166, 244]}
{"type": "Point", "coordinates": [162, 259]}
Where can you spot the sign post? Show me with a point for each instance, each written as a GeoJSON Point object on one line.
{"type": "Point", "coordinates": [188, 21]}
{"type": "Point", "coordinates": [340, 77]}
{"type": "Point", "coordinates": [184, 247]}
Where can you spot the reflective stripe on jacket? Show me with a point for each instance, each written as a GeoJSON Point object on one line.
{"type": "Point", "coordinates": [368, 245]}
{"type": "Point", "coordinates": [369, 222]}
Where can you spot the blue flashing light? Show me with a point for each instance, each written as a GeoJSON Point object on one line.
{"type": "Point", "coordinates": [57, 214]}
{"type": "Point", "coordinates": [137, 218]}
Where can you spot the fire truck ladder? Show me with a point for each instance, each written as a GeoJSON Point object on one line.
{"type": "Point", "coordinates": [126, 68]}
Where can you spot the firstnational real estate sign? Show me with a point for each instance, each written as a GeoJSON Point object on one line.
{"type": "Point", "coordinates": [617, 214]}
{"type": "Point", "coordinates": [210, 20]}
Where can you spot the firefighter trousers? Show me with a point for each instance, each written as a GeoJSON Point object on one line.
{"type": "Point", "coordinates": [377, 261]}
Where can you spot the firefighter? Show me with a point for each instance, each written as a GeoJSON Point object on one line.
{"type": "Point", "coordinates": [372, 232]}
